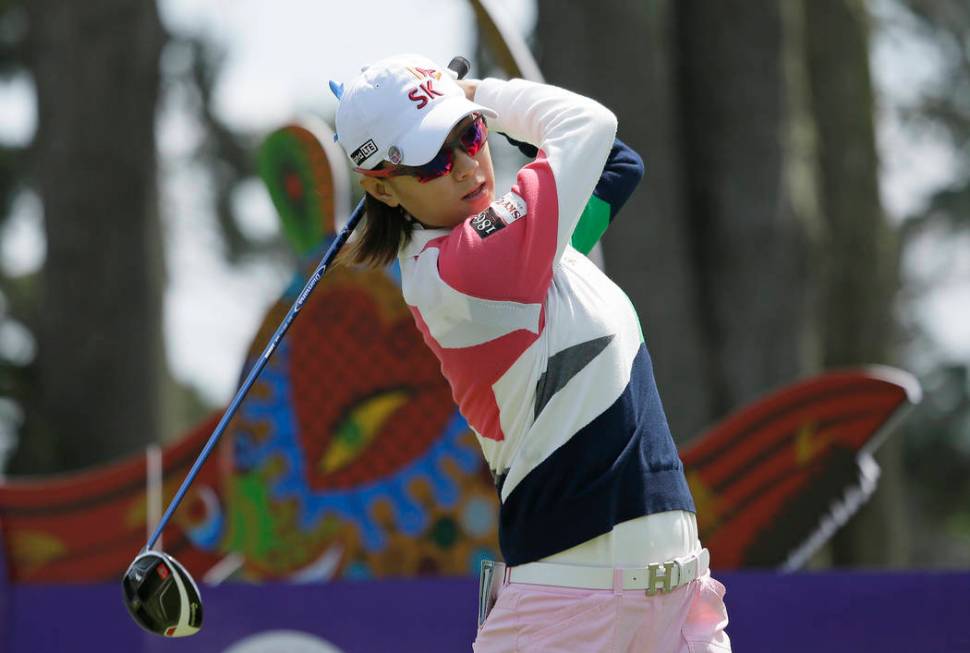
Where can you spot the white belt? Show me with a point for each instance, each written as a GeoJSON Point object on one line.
{"type": "Point", "coordinates": [659, 577]}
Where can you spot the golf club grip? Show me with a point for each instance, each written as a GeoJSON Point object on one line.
{"type": "Point", "coordinates": [459, 65]}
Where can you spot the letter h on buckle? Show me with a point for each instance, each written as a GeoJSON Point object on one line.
{"type": "Point", "coordinates": [660, 582]}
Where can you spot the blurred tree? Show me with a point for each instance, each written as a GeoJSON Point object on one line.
{"type": "Point", "coordinates": [757, 250]}
{"type": "Point", "coordinates": [95, 166]}
{"type": "Point", "coordinates": [224, 153]}
{"type": "Point", "coordinates": [946, 23]}
{"type": "Point", "coordinates": [12, 36]}
{"type": "Point", "coordinates": [937, 454]}
{"type": "Point", "coordinates": [93, 163]}
{"type": "Point", "coordinates": [945, 105]}
{"type": "Point", "coordinates": [713, 249]}
{"type": "Point", "coordinates": [858, 254]}
{"type": "Point", "coordinates": [750, 235]}
{"type": "Point", "coordinates": [937, 446]}
{"type": "Point", "coordinates": [18, 306]}
{"type": "Point", "coordinates": [632, 69]}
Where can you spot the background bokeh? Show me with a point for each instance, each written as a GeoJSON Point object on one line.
{"type": "Point", "coordinates": [806, 206]}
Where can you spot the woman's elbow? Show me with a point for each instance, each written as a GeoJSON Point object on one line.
{"type": "Point", "coordinates": [628, 161]}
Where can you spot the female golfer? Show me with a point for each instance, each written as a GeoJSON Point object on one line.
{"type": "Point", "coordinates": [544, 355]}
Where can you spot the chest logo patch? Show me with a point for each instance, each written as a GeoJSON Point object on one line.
{"type": "Point", "coordinates": [499, 214]}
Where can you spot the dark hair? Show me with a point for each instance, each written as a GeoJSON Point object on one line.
{"type": "Point", "coordinates": [382, 232]}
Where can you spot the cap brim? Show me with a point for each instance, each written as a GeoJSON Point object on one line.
{"type": "Point", "coordinates": [422, 143]}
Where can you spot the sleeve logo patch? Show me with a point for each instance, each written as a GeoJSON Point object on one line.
{"type": "Point", "coordinates": [487, 223]}
{"type": "Point", "coordinates": [500, 213]}
{"type": "Point", "coordinates": [510, 207]}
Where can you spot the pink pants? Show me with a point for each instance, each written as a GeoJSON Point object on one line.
{"type": "Point", "coordinates": [539, 618]}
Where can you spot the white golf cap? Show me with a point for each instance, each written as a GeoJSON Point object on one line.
{"type": "Point", "coordinates": [400, 109]}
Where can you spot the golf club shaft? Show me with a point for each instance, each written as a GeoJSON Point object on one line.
{"type": "Point", "coordinates": [460, 65]}
{"type": "Point", "coordinates": [257, 368]}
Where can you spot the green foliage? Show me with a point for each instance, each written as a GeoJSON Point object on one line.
{"type": "Point", "coordinates": [13, 33]}
{"type": "Point", "coordinates": [946, 106]}
{"type": "Point", "coordinates": [16, 295]}
{"type": "Point", "coordinates": [10, 178]}
{"type": "Point", "coordinates": [937, 443]}
{"type": "Point", "coordinates": [937, 433]}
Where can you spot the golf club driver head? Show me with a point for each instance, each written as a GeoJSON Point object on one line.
{"type": "Point", "coordinates": [161, 596]}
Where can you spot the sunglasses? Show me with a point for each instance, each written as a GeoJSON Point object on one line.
{"type": "Point", "coordinates": [471, 140]}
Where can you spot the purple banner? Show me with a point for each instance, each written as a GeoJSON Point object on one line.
{"type": "Point", "coordinates": [834, 612]}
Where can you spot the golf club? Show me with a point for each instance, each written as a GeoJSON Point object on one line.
{"type": "Point", "coordinates": [159, 593]}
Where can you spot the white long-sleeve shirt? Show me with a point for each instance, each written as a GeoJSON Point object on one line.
{"type": "Point", "coordinates": [543, 352]}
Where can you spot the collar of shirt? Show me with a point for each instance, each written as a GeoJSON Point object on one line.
{"type": "Point", "coordinates": [420, 237]}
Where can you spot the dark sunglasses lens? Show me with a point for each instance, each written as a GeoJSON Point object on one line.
{"type": "Point", "coordinates": [473, 138]}
{"type": "Point", "coordinates": [436, 167]}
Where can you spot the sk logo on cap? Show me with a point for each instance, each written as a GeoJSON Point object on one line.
{"type": "Point", "coordinates": [425, 92]}
{"type": "Point", "coordinates": [424, 73]}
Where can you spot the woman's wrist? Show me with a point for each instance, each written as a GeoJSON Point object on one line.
{"type": "Point", "coordinates": [470, 86]}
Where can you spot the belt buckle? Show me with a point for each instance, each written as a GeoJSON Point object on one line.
{"type": "Point", "coordinates": [662, 583]}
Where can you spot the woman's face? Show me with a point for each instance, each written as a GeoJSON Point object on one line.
{"type": "Point", "coordinates": [446, 201]}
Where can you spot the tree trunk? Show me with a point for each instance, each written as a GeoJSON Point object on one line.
{"type": "Point", "coordinates": [749, 236]}
{"type": "Point", "coordinates": [95, 66]}
{"type": "Point", "coordinates": [623, 54]}
{"type": "Point", "coordinates": [858, 257]}
{"type": "Point", "coordinates": [741, 283]}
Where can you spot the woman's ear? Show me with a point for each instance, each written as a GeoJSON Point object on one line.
{"type": "Point", "coordinates": [380, 190]}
